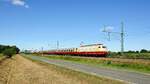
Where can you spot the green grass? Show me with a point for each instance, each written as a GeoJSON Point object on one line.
{"type": "Point", "coordinates": [1, 56]}
{"type": "Point", "coordinates": [91, 79]}
{"type": "Point", "coordinates": [139, 67]}
{"type": "Point", "coordinates": [131, 55]}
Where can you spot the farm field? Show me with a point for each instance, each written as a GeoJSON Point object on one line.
{"type": "Point", "coordinates": [19, 70]}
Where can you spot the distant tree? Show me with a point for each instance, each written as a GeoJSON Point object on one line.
{"type": "Point", "coordinates": [9, 52]}
{"type": "Point", "coordinates": [119, 53]}
{"type": "Point", "coordinates": [16, 49]}
{"type": "Point", "coordinates": [137, 51]}
{"type": "Point", "coordinates": [131, 51]}
{"type": "Point", "coordinates": [1, 48]}
{"type": "Point", "coordinates": [143, 51]}
{"type": "Point", "coordinates": [27, 51]}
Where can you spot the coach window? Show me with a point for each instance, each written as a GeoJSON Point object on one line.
{"type": "Point", "coordinates": [104, 46]}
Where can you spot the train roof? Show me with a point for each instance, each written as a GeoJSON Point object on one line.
{"type": "Point", "coordinates": [90, 45]}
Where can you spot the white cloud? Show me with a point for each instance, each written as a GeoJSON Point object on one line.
{"type": "Point", "coordinates": [18, 3]}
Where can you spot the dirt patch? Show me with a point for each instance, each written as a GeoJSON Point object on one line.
{"type": "Point", "coordinates": [20, 70]}
{"type": "Point", "coordinates": [5, 67]}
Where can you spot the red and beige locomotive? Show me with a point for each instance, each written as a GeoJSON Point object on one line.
{"type": "Point", "coordinates": [98, 50]}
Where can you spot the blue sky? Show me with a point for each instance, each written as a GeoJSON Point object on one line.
{"type": "Point", "coordinates": [31, 24]}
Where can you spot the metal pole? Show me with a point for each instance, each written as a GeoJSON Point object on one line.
{"type": "Point", "coordinates": [122, 38]}
{"type": "Point", "coordinates": [42, 51]}
{"type": "Point", "coordinates": [57, 45]}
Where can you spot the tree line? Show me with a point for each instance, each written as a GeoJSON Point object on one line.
{"type": "Point", "coordinates": [140, 51]}
{"type": "Point", "coordinates": [9, 51]}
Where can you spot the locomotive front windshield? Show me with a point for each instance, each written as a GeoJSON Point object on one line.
{"type": "Point", "coordinates": [103, 46]}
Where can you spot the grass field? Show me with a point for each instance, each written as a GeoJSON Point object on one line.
{"type": "Point", "coordinates": [1, 56]}
{"type": "Point", "coordinates": [130, 55]}
{"type": "Point", "coordinates": [125, 64]}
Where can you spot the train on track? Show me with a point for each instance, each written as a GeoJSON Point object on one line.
{"type": "Point", "coordinates": [95, 50]}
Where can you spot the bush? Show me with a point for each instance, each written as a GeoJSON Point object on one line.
{"type": "Point", "coordinates": [144, 51]}
{"type": "Point", "coordinates": [109, 62]}
{"type": "Point", "coordinates": [9, 52]}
